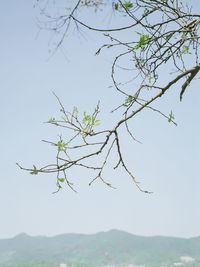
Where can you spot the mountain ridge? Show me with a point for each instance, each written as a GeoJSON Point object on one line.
{"type": "Point", "coordinates": [97, 233]}
{"type": "Point", "coordinates": [91, 249]}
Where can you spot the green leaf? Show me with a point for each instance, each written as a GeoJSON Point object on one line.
{"type": "Point", "coordinates": [127, 4]}
{"type": "Point", "coordinates": [184, 37]}
{"type": "Point", "coordinates": [116, 6]}
{"type": "Point", "coordinates": [87, 119]}
{"type": "Point", "coordinates": [144, 39]}
{"type": "Point", "coordinates": [146, 11]}
{"type": "Point", "coordinates": [65, 118]}
{"type": "Point", "coordinates": [128, 99]}
{"type": "Point", "coordinates": [51, 120]}
{"type": "Point", "coordinates": [97, 123]}
{"type": "Point", "coordinates": [61, 180]}
{"type": "Point", "coordinates": [85, 129]}
{"type": "Point", "coordinates": [186, 50]}
{"type": "Point", "coordinates": [61, 146]}
{"type": "Point", "coordinates": [75, 109]}
{"type": "Point", "coordinates": [169, 36]}
{"type": "Point", "coordinates": [93, 120]}
{"type": "Point", "coordinates": [171, 116]}
{"type": "Point", "coordinates": [35, 171]}
{"type": "Point", "coordinates": [139, 63]}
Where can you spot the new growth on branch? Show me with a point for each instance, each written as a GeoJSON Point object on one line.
{"type": "Point", "coordinates": [167, 39]}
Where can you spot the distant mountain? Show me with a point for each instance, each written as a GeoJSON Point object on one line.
{"type": "Point", "coordinates": [101, 249]}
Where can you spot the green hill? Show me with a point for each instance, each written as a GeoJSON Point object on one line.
{"type": "Point", "coordinates": [98, 250]}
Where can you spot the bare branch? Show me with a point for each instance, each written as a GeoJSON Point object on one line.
{"type": "Point", "coordinates": [167, 33]}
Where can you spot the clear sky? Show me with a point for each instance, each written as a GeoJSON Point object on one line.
{"type": "Point", "coordinates": [167, 162]}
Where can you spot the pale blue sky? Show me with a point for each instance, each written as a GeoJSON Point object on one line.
{"type": "Point", "coordinates": [167, 162]}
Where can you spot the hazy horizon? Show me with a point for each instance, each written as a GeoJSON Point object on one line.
{"type": "Point", "coordinates": [94, 233]}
